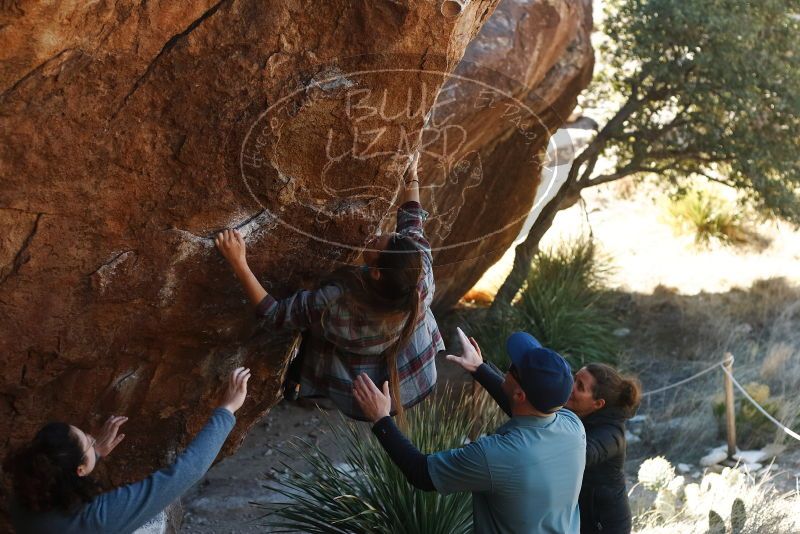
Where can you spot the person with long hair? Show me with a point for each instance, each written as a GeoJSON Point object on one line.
{"type": "Point", "coordinates": [374, 319]}
{"type": "Point", "coordinates": [52, 487]}
{"type": "Point", "coordinates": [603, 399]}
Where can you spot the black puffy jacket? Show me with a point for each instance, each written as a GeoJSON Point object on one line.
{"type": "Point", "coordinates": [604, 500]}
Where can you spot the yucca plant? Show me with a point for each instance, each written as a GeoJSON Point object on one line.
{"type": "Point", "coordinates": [368, 493]}
{"type": "Point", "coordinates": [564, 304]}
{"type": "Point", "coordinates": [708, 216]}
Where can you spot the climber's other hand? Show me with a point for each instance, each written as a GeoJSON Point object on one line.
{"type": "Point", "coordinates": [236, 390]}
{"type": "Point", "coordinates": [231, 244]}
{"type": "Point", "coordinates": [414, 166]}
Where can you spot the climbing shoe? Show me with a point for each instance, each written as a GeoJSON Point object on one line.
{"type": "Point", "coordinates": [291, 390]}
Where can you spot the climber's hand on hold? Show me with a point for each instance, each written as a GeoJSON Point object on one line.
{"type": "Point", "coordinates": [231, 244]}
{"type": "Point", "coordinates": [237, 389]}
{"type": "Point", "coordinates": [412, 181]}
{"type": "Point", "coordinates": [109, 436]}
{"type": "Point", "coordinates": [374, 403]}
{"type": "Point", "coordinates": [413, 167]}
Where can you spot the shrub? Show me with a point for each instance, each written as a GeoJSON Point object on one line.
{"type": "Point", "coordinates": [753, 429]}
{"type": "Point", "coordinates": [709, 217]}
{"type": "Point", "coordinates": [368, 493]}
{"type": "Point", "coordinates": [564, 304]}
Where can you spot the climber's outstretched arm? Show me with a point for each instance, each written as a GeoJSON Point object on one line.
{"type": "Point", "coordinates": [231, 245]}
{"type": "Point", "coordinates": [411, 192]}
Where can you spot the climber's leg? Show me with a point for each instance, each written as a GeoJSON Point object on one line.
{"type": "Point", "coordinates": [291, 386]}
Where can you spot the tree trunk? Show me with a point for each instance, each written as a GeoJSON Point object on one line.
{"type": "Point", "coordinates": [525, 251]}
{"type": "Point", "coordinates": [569, 193]}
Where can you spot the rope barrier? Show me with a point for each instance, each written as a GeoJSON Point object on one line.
{"type": "Point", "coordinates": [686, 380]}
{"type": "Point", "coordinates": [721, 364]}
{"type": "Point", "coordinates": [766, 414]}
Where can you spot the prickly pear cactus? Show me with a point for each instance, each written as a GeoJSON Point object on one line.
{"type": "Point", "coordinates": [738, 516]}
{"type": "Point", "coordinates": [716, 525]}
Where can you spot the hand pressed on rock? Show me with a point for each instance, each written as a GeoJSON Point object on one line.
{"type": "Point", "coordinates": [108, 437]}
{"type": "Point", "coordinates": [237, 389]}
{"type": "Point", "coordinates": [231, 244]}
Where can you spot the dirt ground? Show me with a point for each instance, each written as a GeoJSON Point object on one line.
{"type": "Point", "coordinates": [222, 501]}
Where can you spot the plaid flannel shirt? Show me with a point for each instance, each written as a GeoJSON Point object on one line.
{"type": "Point", "coordinates": [338, 345]}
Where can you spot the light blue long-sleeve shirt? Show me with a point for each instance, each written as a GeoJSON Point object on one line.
{"type": "Point", "coordinates": [525, 478]}
{"type": "Point", "coordinates": [127, 508]}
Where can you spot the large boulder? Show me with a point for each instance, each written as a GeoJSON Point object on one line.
{"type": "Point", "coordinates": [516, 85]}
{"type": "Point", "coordinates": [132, 132]}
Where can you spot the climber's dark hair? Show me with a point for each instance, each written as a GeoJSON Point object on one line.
{"type": "Point", "coordinates": [44, 472]}
{"type": "Point", "coordinates": [394, 294]}
{"type": "Point", "coordinates": [623, 392]}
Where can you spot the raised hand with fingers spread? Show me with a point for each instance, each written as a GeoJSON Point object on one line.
{"type": "Point", "coordinates": [236, 391]}
{"type": "Point", "coordinates": [470, 358]}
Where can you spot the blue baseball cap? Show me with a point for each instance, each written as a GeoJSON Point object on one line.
{"type": "Point", "coordinates": [544, 375]}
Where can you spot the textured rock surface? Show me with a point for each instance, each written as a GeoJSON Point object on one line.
{"type": "Point", "coordinates": [131, 132]}
{"type": "Point", "coordinates": [539, 53]}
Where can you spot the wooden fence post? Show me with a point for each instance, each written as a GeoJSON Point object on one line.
{"type": "Point", "coordinates": [730, 407]}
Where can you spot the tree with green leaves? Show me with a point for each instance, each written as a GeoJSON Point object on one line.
{"type": "Point", "coordinates": [707, 89]}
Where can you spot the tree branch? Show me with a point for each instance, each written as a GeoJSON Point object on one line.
{"type": "Point", "coordinates": [599, 143]}
{"type": "Point", "coordinates": [686, 154]}
{"type": "Point", "coordinates": [622, 173]}
{"type": "Point", "coordinates": [590, 165]}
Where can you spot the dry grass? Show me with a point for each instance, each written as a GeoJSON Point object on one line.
{"type": "Point", "coordinates": [760, 326]}
{"type": "Point", "coordinates": [679, 507]}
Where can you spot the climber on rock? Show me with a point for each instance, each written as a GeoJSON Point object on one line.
{"type": "Point", "coordinates": [54, 492]}
{"type": "Point", "coordinates": [372, 319]}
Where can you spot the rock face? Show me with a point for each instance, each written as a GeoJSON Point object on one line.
{"type": "Point", "coordinates": [533, 58]}
{"type": "Point", "coordinates": [133, 131]}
